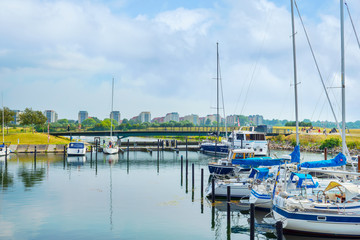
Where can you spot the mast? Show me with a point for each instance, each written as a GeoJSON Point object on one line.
{"type": "Point", "coordinates": [3, 119]}
{"type": "Point", "coordinates": [295, 74]}
{"type": "Point", "coordinates": [344, 147]}
{"type": "Point", "coordinates": [112, 105]}
{"type": "Point", "coordinates": [217, 96]}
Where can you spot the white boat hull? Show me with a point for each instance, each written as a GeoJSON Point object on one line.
{"type": "Point", "coordinates": [237, 189]}
{"type": "Point", "coordinates": [108, 150]}
{"type": "Point", "coordinates": [333, 225]}
{"type": "Point", "coordinates": [76, 151]}
{"type": "Point", "coordinates": [3, 152]}
{"type": "Point", "coordinates": [260, 200]}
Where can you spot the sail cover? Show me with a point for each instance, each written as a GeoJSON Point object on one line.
{"type": "Point", "coordinates": [339, 160]}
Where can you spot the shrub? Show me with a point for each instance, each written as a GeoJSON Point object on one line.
{"type": "Point", "coordinates": [330, 143]}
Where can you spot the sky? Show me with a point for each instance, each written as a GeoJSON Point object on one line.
{"type": "Point", "coordinates": [62, 56]}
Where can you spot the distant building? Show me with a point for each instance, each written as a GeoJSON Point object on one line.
{"type": "Point", "coordinates": [51, 116]}
{"type": "Point", "coordinates": [233, 120]}
{"type": "Point", "coordinates": [135, 119]}
{"type": "Point", "coordinates": [256, 119]}
{"type": "Point", "coordinates": [17, 114]}
{"type": "Point", "coordinates": [145, 117]}
{"type": "Point", "coordinates": [174, 116]}
{"type": "Point", "coordinates": [82, 116]}
{"type": "Point", "coordinates": [193, 118]}
{"type": "Point", "coordinates": [202, 121]}
{"type": "Point", "coordinates": [158, 120]}
{"type": "Point", "coordinates": [115, 116]}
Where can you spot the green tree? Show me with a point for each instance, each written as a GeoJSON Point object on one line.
{"type": "Point", "coordinates": [8, 115]}
{"type": "Point", "coordinates": [30, 117]}
{"type": "Point", "coordinates": [88, 122]}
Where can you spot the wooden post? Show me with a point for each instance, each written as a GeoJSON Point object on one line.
{"type": "Point", "coordinates": [182, 163]}
{"type": "Point", "coordinates": [213, 189]}
{"type": "Point", "coordinates": [252, 221]}
{"type": "Point", "coordinates": [202, 183]}
{"type": "Point", "coordinates": [193, 176]}
{"type": "Point", "coordinates": [91, 150]}
{"type": "Point", "coordinates": [96, 149]}
{"type": "Point", "coordinates": [64, 151]}
{"type": "Point", "coordinates": [325, 153]}
{"type": "Point", "coordinates": [358, 164]}
{"type": "Point", "coordinates": [186, 148]}
{"type": "Point", "coordinates": [186, 168]}
{"type": "Point", "coordinates": [228, 205]}
{"type": "Point", "coordinates": [279, 230]}
{"type": "Point", "coordinates": [6, 154]}
{"type": "Point", "coordinates": [128, 146]}
{"type": "Point", "coordinates": [158, 147]}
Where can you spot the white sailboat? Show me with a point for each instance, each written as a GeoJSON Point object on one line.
{"type": "Point", "coordinates": [335, 212]}
{"type": "Point", "coordinates": [111, 148]}
{"type": "Point", "coordinates": [3, 149]}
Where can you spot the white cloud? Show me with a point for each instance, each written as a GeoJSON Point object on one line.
{"type": "Point", "coordinates": [55, 53]}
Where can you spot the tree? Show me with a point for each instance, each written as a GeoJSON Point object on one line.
{"type": "Point", "coordinates": [8, 115]}
{"type": "Point", "coordinates": [30, 117]}
{"type": "Point", "coordinates": [88, 122]}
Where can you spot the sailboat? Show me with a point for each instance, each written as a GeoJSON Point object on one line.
{"type": "Point", "coordinates": [335, 210]}
{"type": "Point", "coordinates": [3, 149]}
{"type": "Point", "coordinates": [111, 148]}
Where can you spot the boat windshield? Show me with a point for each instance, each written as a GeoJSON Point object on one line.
{"type": "Point", "coordinates": [76, 145]}
{"type": "Point", "coordinates": [253, 137]}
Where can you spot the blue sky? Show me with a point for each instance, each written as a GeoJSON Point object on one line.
{"type": "Point", "coordinates": [62, 55]}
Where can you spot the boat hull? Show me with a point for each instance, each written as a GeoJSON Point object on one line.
{"type": "Point", "coordinates": [76, 151]}
{"type": "Point", "coordinates": [108, 150]}
{"type": "Point", "coordinates": [220, 169]}
{"type": "Point", "coordinates": [237, 190]}
{"type": "Point", "coordinates": [210, 148]}
{"type": "Point", "coordinates": [260, 200]}
{"type": "Point", "coordinates": [319, 224]}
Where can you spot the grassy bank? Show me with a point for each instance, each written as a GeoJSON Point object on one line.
{"type": "Point", "coordinates": [33, 138]}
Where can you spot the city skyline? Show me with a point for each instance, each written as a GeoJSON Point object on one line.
{"type": "Point", "coordinates": [163, 57]}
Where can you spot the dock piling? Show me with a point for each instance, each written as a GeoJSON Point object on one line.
{"type": "Point", "coordinates": [91, 150]}
{"type": "Point", "coordinates": [252, 221]}
{"type": "Point", "coordinates": [186, 148]}
{"type": "Point", "coordinates": [325, 153]}
{"type": "Point", "coordinates": [193, 176]}
{"type": "Point", "coordinates": [213, 190]}
{"type": "Point", "coordinates": [202, 183]}
{"type": "Point", "coordinates": [64, 151]}
{"type": "Point", "coordinates": [6, 154]}
{"type": "Point", "coordinates": [279, 230]}
{"type": "Point", "coordinates": [228, 205]}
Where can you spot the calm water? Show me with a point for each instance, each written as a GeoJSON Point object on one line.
{"type": "Point", "coordinates": [113, 198]}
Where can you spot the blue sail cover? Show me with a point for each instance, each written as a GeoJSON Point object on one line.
{"type": "Point", "coordinates": [255, 162]}
{"type": "Point", "coordinates": [304, 180]}
{"type": "Point", "coordinates": [295, 155]}
{"type": "Point", "coordinates": [259, 173]}
{"type": "Point", "coordinates": [339, 160]}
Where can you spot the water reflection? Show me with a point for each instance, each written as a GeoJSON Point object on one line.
{"type": "Point", "coordinates": [6, 178]}
{"type": "Point", "coordinates": [31, 177]}
{"type": "Point", "coordinates": [76, 160]}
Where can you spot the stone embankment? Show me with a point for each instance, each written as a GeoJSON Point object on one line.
{"type": "Point", "coordinates": [287, 146]}
{"type": "Point", "coordinates": [42, 148]}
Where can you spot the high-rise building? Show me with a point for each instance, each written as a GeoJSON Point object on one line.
{"type": "Point", "coordinates": [115, 116]}
{"type": "Point", "coordinates": [51, 116]}
{"type": "Point", "coordinates": [193, 118]}
{"type": "Point", "coordinates": [256, 119]}
{"type": "Point", "coordinates": [145, 117]}
{"type": "Point", "coordinates": [158, 120]}
{"type": "Point", "coordinates": [17, 114]}
{"type": "Point", "coordinates": [82, 116]}
{"type": "Point", "coordinates": [174, 116]}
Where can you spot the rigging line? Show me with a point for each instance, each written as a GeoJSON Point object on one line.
{"type": "Point", "coordinates": [222, 98]}
{"type": "Point", "coordinates": [257, 61]}
{"type": "Point", "coordinates": [317, 67]}
{"type": "Point", "coordinates": [352, 23]}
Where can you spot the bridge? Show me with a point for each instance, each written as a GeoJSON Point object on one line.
{"type": "Point", "coordinates": [165, 131]}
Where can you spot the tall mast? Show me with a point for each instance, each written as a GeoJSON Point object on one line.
{"type": "Point", "coordinates": [217, 90]}
{"type": "Point", "coordinates": [344, 147]}
{"type": "Point", "coordinates": [295, 75]}
{"type": "Point", "coordinates": [112, 105]}
{"type": "Point", "coordinates": [3, 114]}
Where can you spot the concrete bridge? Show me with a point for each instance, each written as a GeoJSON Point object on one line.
{"type": "Point", "coordinates": [162, 131]}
